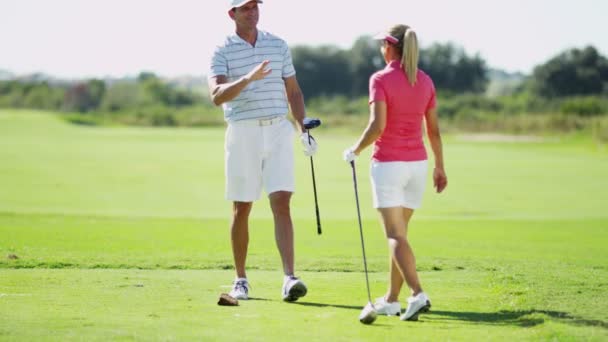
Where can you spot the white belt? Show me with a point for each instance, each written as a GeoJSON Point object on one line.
{"type": "Point", "coordinates": [260, 122]}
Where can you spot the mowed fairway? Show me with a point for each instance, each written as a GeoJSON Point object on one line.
{"type": "Point", "coordinates": [122, 234]}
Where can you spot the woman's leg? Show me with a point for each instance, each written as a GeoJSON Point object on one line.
{"type": "Point", "coordinates": [403, 263]}
{"type": "Point", "coordinates": [396, 281]}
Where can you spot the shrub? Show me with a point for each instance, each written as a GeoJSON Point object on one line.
{"type": "Point", "coordinates": [599, 129]}
{"type": "Point", "coordinates": [82, 119]}
{"type": "Point", "coordinates": [584, 106]}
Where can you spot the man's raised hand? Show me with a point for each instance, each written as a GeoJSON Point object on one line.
{"type": "Point", "coordinates": [260, 71]}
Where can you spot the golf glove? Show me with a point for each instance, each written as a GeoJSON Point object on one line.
{"type": "Point", "coordinates": [349, 155]}
{"type": "Point", "coordinates": [309, 145]}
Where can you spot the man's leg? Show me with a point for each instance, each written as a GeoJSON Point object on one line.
{"type": "Point", "coordinates": [283, 228]}
{"type": "Point", "coordinates": [279, 182]}
{"type": "Point", "coordinates": [239, 233]}
{"type": "Point", "coordinates": [293, 288]}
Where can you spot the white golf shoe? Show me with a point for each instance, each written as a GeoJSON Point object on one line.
{"type": "Point", "coordinates": [387, 308]}
{"type": "Point", "coordinates": [415, 305]}
{"type": "Point", "coordinates": [240, 289]}
{"type": "Point", "coordinates": [293, 288]}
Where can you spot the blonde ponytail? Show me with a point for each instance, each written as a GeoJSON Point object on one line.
{"type": "Point", "coordinates": [409, 55]}
{"type": "Point", "coordinates": [407, 45]}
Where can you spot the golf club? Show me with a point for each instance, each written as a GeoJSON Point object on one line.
{"type": "Point", "coordinates": [310, 123]}
{"type": "Point", "coordinates": [368, 314]}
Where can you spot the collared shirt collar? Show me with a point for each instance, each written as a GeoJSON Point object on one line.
{"type": "Point", "coordinates": [394, 64]}
{"type": "Point", "coordinates": [235, 38]}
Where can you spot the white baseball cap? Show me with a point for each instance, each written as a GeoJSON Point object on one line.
{"type": "Point", "coordinates": [239, 3]}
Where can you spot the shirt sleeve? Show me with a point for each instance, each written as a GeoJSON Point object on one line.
{"type": "Point", "coordinates": [433, 99]}
{"type": "Point", "coordinates": [377, 92]}
{"type": "Point", "coordinates": [219, 64]}
{"type": "Point", "coordinates": [288, 69]}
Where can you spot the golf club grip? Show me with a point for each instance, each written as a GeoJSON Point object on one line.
{"type": "Point", "coordinates": [318, 222]}
{"type": "Point", "coordinates": [369, 296]}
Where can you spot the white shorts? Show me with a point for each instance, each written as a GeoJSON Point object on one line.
{"type": "Point", "coordinates": [258, 153]}
{"type": "Point", "coordinates": [398, 184]}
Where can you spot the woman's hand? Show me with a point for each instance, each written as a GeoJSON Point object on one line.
{"type": "Point", "coordinates": [440, 180]}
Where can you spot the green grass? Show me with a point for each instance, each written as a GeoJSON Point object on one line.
{"type": "Point", "coordinates": [122, 234]}
{"type": "Point", "coordinates": [180, 305]}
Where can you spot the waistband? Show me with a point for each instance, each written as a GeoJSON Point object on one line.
{"type": "Point", "coordinates": [260, 122]}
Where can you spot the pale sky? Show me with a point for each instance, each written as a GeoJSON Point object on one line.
{"type": "Point", "coordinates": [97, 38]}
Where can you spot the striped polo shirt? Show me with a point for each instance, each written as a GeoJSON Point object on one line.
{"type": "Point", "coordinates": [264, 98]}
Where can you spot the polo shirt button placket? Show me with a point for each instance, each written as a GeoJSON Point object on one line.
{"type": "Point", "coordinates": [253, 84]}
{"type": "Point", "coordinates": [258, 60]}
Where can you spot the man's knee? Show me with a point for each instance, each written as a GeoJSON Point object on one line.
{"type": "Point", "coordinates": [279, 202]}
{"type": "Point", "coordinates": [241, 209]}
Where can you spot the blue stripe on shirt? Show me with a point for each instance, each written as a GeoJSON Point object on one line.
{"type": "Point", "coordinates": [234, 58]}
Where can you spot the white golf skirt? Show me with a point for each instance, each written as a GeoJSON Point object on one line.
{"type": "Point", "coordinates": [398, 184]}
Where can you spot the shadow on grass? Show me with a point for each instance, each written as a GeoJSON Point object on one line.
{"type": "Point", "coordinates": [523, 318]}
{"type": "Point", "coordinates": [338, 306]}
{"type": "Point", "coordinates": [324, 305]}
{"type": "Point", "coordinates": [260, 299]}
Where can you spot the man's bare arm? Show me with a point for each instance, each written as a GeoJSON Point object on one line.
{"type": "Point", "coordinates": [296, 101]}
{"type": "Point", "coordinates": [221, 91]}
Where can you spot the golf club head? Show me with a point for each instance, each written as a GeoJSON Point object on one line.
{"type": "Point", "coordinates": [310, 123]}
{"type": "Point", "coordinates": [368, 315]}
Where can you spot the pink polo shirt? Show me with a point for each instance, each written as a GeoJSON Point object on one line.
{"type": "Point", "coordinates": [406, 106]}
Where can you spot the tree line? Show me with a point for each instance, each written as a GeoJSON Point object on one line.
{"type": "Point", "coordinates": [335, 82]}
{"type": "Point", "coordinates": [329, 71]}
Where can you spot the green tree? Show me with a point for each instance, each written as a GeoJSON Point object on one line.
{"type": "Point", "coordinates": [96, 90]}
{"type": "Point", "coordinates": [84, 96]}
{"type": "Point", "coordinates": [329, 71]}
{"type": "Point", "coordinates": [453, 70]}
{"type": "Point", "coordinates": [323, 70]}
{"type": "Point", "coordinates": [573, 72]}
{"type": "Point", "coordinates": [11, 93]}
{"type": "Point", "coordinates": [157, 91]}
{"type": "Point", "coordinates": [365, 59]}
{"type": "Point", "coordinates": [43, 96]}
{"type": "Point", "coordinates": [121, 95]}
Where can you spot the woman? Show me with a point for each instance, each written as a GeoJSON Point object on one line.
{"type": "Point", "coordinates": [400, 97]}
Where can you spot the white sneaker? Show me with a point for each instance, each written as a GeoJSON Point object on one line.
{"type": "Point", "coordinates": [293, 288]}
{"type": "Point", "coordinates": [240, 289]}
{"type": "Point", "coordinates": [387, 308]}
{"type": "Point", "coordinates": [415, 305]}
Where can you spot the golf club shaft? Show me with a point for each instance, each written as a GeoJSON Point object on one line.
{"type": "Point", "coordinates": [352, 164]}
{"type": "Point", "coordinates": [314, 188]}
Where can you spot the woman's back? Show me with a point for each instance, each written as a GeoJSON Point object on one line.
{"type": "Point", "coordinates": [406, 105]}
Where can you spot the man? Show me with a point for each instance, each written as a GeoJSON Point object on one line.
{"type": "Point", "coordinates": [253, 78]}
